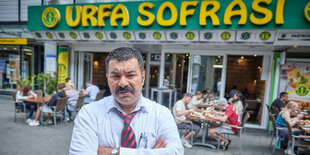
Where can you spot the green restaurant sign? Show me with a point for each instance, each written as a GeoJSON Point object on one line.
{"type": "Point", "coordinates": [172, 15]}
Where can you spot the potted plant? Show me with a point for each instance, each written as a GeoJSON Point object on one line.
{"type": "Point", "coordinates": [26, 81]}
{"type": "Point", "coordinates": [47, 82]}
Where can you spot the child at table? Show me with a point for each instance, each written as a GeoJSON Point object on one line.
{"type": "Point", "coordinates": [26, 93]}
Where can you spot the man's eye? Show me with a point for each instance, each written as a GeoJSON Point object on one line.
{"type": "Point", "coordinates": [115, 76]}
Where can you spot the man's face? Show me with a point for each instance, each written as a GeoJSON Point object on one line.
{"type": "Point", "coordinates": [284, 98]}
{"type": "Point", "coordinates": [188, 99]}
{"type": "Point", "coordinates": [88, 84]}
{"type": "Point", "coordinates": [125, 80]}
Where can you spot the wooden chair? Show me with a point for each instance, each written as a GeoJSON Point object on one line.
{"type": "Point", "coordinates": [239, 133]}
{"type": "Point", "coordinates": [296, 143]}
{"type": "Point", "coordinates": [100, 95]}
{"type": "Point", "coordinates": [275, 111]}
{"type": "Point", "coordinates": [275, 132]}
{"type": "Point", "coordinates": [79, 104]}
{"type": "Point", "coordinates": [60, 108]}
{"type": "Point", "coordinates": [16, 107]}
{"type": "Point", "coordinates": [38, 92]}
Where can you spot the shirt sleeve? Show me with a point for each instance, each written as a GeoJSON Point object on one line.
{"type": "Point", "coordinates": [167, 131]}
{"type": "Point", "coordinates": [228, 111]}
{"type": "Point", "coordinates": [34, 94]}
{"type": "Point", "coordinates": [19, 96]}
{"type": "Point", "coordinates": [178, 106]}
{"type": "Point", "coordinates": [84, 136]}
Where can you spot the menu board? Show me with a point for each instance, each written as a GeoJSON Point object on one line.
{"type": "Point", "coordinates": [295, 80]}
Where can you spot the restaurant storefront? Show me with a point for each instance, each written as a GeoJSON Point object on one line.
{"type": "Point", "coordinates": [192, 45]}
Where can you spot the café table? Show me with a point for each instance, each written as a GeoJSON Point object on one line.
{"type": "Point", "coordinates": [205, 129]}
{"type": "Point", "coordinates": [207, 105]}
{"type": "Point", "coordinates": [38, 100]}
{"type": "Point", "coordinates": [303, 128]}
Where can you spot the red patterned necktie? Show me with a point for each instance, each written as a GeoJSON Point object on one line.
{"type": "Point", "coordinates": [128, 136]}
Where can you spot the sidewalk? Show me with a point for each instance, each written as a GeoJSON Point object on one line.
{"type": "Point", "coordinates": [17, 138]}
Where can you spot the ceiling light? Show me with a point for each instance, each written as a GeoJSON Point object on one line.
{"type": "Point", "coordinates": [217, 66]}
{"type": "Point", "coordinates": [4, 48]}
{"type": "Point", "coordinates": [27, 50]}
{"type": "Point", "coordinates": [255, 55]}
{"type": "Point", "coordinates": [295, 46]}
{"type": "Point", "coordinates": [242, 57]}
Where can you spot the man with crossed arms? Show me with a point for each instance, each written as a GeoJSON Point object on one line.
{"type": "Point", "coordinates": [125, 123]}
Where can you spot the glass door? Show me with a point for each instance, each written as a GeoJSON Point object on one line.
{"type": "Point", "coordinates": [205, 74]}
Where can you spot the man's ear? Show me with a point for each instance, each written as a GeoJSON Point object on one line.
{"type": "Point", "coordinates": [143, 76]}
{"type": "Point", "coordinates": [106, 75]}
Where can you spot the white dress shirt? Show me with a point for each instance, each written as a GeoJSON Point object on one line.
{"type": "Point", "coordinates": [92, 91]}
{"type": "Point", "coordinates": [99, 125]}
{"type": "Point", "coordinates": [20, 97]}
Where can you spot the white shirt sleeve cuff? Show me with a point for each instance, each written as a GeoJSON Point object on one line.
{"type": "Point", "coordinates": [127, 151]}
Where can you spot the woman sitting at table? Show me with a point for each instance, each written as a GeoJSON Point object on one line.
{"type": "Point", "coordinates": [196, 100]}
{"type": "Point", "coordinates": [237, 103]}
{"type": "Point", "coordinates": [284, 115]}
{"type": "Point", "coordinates": [26, 93]}
{"type": "Point", "coordinates": [73, 95]}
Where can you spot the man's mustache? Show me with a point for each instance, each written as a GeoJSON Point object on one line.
{"type": "Point", "coordinates": [124, 90]}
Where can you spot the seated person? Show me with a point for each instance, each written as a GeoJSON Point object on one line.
{"type": "Point", "coordinates": [26, 93]}
{"type": "Point", "coordinates": [73, 95]}
{"type": "Point", "coordinates": [279, 102]}
{"type": "Point", "coordinates": [230, 115]}
{"type": "Point", "coordinates": [284, 115]}
{"type": "Point", "coordinates": [237, 103]}
{"type": "Point", "coordinates": [179, 112]}
{"type": "Point", "coordinates": [91, 92]}
{"type": "Point", "coordinates": [47, 108]}
{"type": "Point", "coordinates": [196, 100]}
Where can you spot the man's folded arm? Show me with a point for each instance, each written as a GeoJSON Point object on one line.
{"type": "Point", "coordinates": [84, 138]}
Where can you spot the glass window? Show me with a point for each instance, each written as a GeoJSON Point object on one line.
{"type": "Point", "coordinates": [206, 73]}
{"type": "Point", "coordinates": [9, 66]}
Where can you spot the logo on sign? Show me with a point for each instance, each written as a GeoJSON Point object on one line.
{"type": "Point", "coordinates": [61, 35]}
{"type": "Point", "coordinates": [190, 35]}
{"type": "Point", "coordinates": [174, 35]}
{"type": "Point", "coordinates": [127, 35]}
{"type": "Point", "coordinates": [307, 12]}
{"type": "Point", "coordinates": [38, 35]}
{"type": "Point", "coordinates": [225, 36]}
{"type": "Point", "coordinates": [113, 35]}
{"type": "Point", "coordinates": [86, 35]}
{"type": "Point", "coordinates": [245, 35]}
{"type": "Point", "coordinates": [302, 90]}
{"type": "Point", "coordinates": [208, 35]}
{"type": "Point", "coordinates": [157, 35]}
{"type": "Point", "coordinates": [264, 36]}
{"type": "Point", "coordinates": [49, 35]}
{"type": "Point", "coordinates": [142, 35]}
{"type": "Point", "coordinates": [50, 17]}
{"type": "Point", "coordinates": [98, 35]}
{"type": "Point", "coordinates": [73, 35]}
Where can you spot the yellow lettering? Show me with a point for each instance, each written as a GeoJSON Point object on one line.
{"type": "Point", "coordinates": [119, 12]}
{"type": "Point", "coordinates": [230, 12]}
{"type": "Point", "coordinates": [77, 20]}
{"type": "Point", "coordinates": [184, 12]}
{"type": "Point", "coordinates": [103, 13]}
{"type": "Point", "coordinates": [264, 11]}
{"type": "Point", "coordinates": [211, 13]}
{"type": "Point", "coordinates": [150, 17]}
{"type": "Point", "coordinates": [88, 13]}
{"type": "Point", "coordinates": [279, 12]}
{"type": "Point", "coordinates": [160, 14]}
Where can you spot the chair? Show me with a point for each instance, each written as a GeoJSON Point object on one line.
{"type": "Point", "coordinates": [16, 107]}
{"type": "Point", "coordinates": [100, 95]}
{"type": "Point", "coordinates": [59, 108]}
{"type": "Point", "coordinates": [239, 133]}
{"type": "Point", "coordinates": [38, 92]}
{"type": "Point", "coordinates": [275, 132]}
{"type": "Point", "coordinates": [299, 142]}
{"type": "Point", "coordinates": [275, 111]}
{"type": "Point", "coordinates": [79, 104]}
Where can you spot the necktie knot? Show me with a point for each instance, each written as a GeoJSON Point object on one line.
{"type": "Point", "coordinates": [128, 138]}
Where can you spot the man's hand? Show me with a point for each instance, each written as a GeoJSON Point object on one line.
{"type": "Point", "coordinates": [104, 151]}
{"type": "Point", "coordinates": [160, 144]}
{"type": "Point", "coordinates": [299, 116]}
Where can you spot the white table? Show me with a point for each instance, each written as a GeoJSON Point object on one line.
{"type": "Point", "coordinates": [162, 91]}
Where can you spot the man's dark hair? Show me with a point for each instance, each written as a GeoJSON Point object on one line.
{"type": "Point", "coordinates": [61, 86]}
{"type": "Point", "coordinates": [282, 94]}
{"type": "Point", "coordinates": [234, 87]}
{"type": "Point", "coordinates": [187, 95]}
{"type": "Point", "coordinates": [67, 79]}
{"type": "Point", "coordinates": [124, 54]}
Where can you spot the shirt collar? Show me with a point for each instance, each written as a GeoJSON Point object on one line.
{"type": "Point", "coordinates": [141, 106]}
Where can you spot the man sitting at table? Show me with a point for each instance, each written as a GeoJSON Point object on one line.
{"type": "Point", "coordinates": [47, 108]}
{"type": "Point", "coordinates": [195, 101]}
{"type": "Point", "coordinates": [90, 92]}
{"type": "Point", "coordinates": [230, 115]}
{"type": "Point", "coordinates": [279, 102]}
{"type": "Point", "coordinates": [180, 113]}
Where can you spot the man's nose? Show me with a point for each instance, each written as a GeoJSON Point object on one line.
{"type": "Point", "coordinates": [123, 82]}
